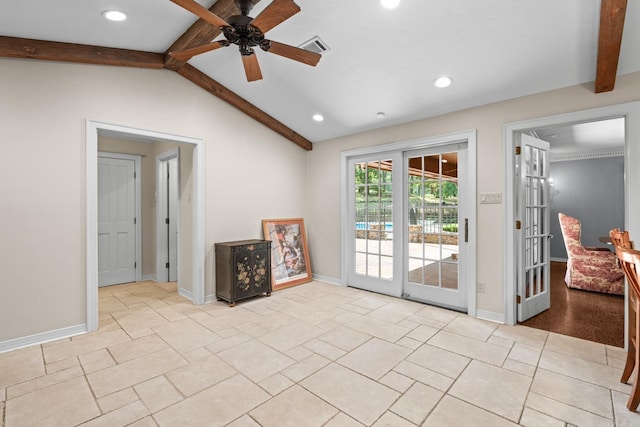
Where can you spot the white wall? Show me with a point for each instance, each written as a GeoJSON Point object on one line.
{"type": "Point", "coordinates": [43, 110]}
{"type": "Point", "coordinates": [323, 173]}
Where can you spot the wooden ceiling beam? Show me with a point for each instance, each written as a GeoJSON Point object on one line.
{"type": "Point", "coordinates": [201, 31]}
{"type": "Point", "coordinates": [14, 47]}
{"type": "Point", "coordinates": [612, 14]}
{"type": "Point", "coordinates": [213, 87]}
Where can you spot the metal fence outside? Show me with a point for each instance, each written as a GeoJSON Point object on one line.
{"type": "Point", "coordinates": [428, 217]}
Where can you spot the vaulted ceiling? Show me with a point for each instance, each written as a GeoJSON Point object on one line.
{"type": "Point", "coordinates": [380, 66]}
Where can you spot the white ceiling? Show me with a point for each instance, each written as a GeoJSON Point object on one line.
{"type": "Point", "coordinates": [380, 60]}
{"type": "Point", "coordinates": [603, 136]}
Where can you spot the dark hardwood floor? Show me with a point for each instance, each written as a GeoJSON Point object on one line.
{"type": "Point", "coordinates": [582, 314]}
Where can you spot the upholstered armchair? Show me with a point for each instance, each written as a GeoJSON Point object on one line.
{"type": "Point", "coordinates": [590, 269]}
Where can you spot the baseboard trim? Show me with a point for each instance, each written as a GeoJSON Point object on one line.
{"type": "Point", "coordinates": [149, 278]}
{"type": "Point", "coordinates": [185, 293]}
{"type": "Point", "coordinates": [42, 338]}
{"type": "Point", "coordinates": [327, 279]}
{"type": "Point", "coordinates": [210, 298]}
{"type": "Point", "coordinates": [490, 316]}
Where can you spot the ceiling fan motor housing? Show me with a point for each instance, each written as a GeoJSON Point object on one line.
{"type": "Point", "coordinates": [245, 6]}
{"type": "Point", "coordinates": [241, 33]}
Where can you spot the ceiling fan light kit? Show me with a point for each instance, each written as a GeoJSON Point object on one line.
{"type": "Point", "coordinates": [247, 33]}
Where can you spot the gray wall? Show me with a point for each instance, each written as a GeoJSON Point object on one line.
{"type": "Point", "coordinates": [590, 190]}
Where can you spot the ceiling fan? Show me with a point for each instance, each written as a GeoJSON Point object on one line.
{"type": "Point", "coordinates": [247, 32]}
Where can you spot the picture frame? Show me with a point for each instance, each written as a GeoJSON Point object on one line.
{"type": "Point", "coordinates": [289, 252]}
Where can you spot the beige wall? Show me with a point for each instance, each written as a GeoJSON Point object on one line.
{"type": "Point", "coordinates": [251, 173]}
{"type": "Point", "coordinates": [43, 111]}
{"type": "Point", "coordinates": [324, 181]}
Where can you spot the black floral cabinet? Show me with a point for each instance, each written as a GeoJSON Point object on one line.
{"type": "Point", "coordinates": [243, 270]}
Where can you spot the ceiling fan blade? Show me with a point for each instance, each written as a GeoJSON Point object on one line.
{"type": "Point", "coordinates": [201, 12]}
{"type": "Point", "coordinates": [251, 67]}
{"type": "Point", "coordinates": [187, 54]}
{"type": "Point", "coordinates": [274, 14]}
{"type": "Point", "coordinates": [295, 53]}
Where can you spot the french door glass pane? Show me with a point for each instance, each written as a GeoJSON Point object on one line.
{"type": "Point", "coordinates": [432, 232]}
{"type": "Point", "coordinates": [535, 227]}
{"type": "Point", "coordinates": [374, 219]}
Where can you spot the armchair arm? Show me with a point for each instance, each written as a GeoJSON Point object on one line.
{"type": "Point", "coordinates": [594, 248]}
{"type": "Point", "coordinates": [598, 256]}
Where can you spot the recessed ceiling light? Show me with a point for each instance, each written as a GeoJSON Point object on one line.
{"type": "Point", "coordinates": [445, 161]}
{"type": "Point", "coordinates": [390, 4]}
{"type": "Point", "coordinates": [443, 81]}
{"type": "Point", "coordinates": [318, 117]}
{"type": "Point", "coordinates": [114, 15]}
{"type": "Point", "coordinates": [381, 115]}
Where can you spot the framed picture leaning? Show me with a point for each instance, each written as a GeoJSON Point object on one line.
{"type": "Point", "coordinates": [289, 253]}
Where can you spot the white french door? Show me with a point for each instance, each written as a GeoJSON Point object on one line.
{"type": "Point", "coordinates": [532, 213]}
{"type": "Point", "coordinates": [406, 224]}
{"type": "Point", "coordinates": [436, 226]}
{"type": "Point", "coordinates": [116, 221]}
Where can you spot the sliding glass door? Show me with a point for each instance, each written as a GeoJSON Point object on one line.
{"type": "Point", "coordinates": [407, 224]}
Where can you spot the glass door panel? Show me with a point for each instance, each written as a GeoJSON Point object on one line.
{"type": "Point", "coordinates": [433, 239]}
{"type": "Point", "coordinates": [372, 225]}
{"type": "Point", "coordinates": [433, 224]}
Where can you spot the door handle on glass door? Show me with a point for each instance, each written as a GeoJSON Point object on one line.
{"type": "Point", "coordinates": [466, 230]}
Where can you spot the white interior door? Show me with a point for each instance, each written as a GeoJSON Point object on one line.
{"type": "Point", "coordinates": [375, 261]}
{"type": "Point", "coordinates": [172, 228]}
{"type": "Point", "coordinates": [533, 221]}
{"type": "Point", "coordinates": [436, 226]}
{"type": "Point", "coordinates": [116, 221]}
{"type": "Point", "coordinates": [168, 213]}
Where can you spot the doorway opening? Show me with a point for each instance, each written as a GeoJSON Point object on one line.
{"type": "Point", "coordinates": [192, 286]}
{"type": "Point", "coordinates": [629, 114]}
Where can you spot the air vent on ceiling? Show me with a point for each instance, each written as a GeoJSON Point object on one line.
{"type": "Point", "coordinates": [315, 45]}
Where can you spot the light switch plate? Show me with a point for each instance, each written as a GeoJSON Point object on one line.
{"type": "Point", "coordinates": [490, 198]}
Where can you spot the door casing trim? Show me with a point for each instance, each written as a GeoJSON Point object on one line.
{"type": "Point", "coordinates": [91, 194]}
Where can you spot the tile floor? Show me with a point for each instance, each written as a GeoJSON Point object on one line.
{"type": "Point", "coordinates": [311, 355]}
